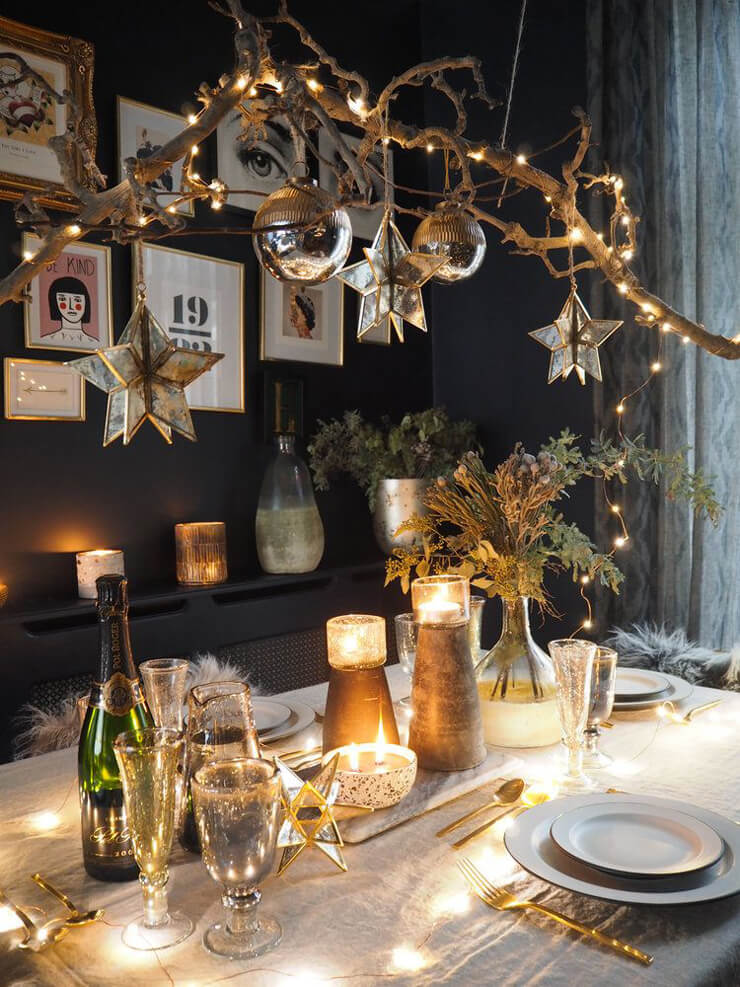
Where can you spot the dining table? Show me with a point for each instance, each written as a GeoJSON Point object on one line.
{"type": "Point", "coordinates": [402, 913]}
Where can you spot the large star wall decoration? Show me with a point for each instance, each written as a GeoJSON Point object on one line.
{"type": "Point", "coordinates": [308, 818]}
{"type": "Point", "coordinates": [574, 339]}
{"type": "Point", "coordinates": [145, 376]}
{"type": "Point", "coordinates": [390, 281]}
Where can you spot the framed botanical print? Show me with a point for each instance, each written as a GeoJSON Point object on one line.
{"type": "Point", "coordinates": [29, 117]}
{"type": "Point", "coordinates": [199, 302]}
{"type": "Point", "coordinates": [261, 167]}
{"type": "Point", "coordinates": [42, 390]}
{"type": "Point", "coordinates": [365, 222]}
{"type": "Point", "coordinates": [70, 300]}
{"type": "Point", "coordinates": [142, 130]}
{"type": "Point", "coordinates": [304, 324]}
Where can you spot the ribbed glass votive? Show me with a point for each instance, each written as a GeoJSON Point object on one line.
{"type": "Point", "coordinates": [200, 553]}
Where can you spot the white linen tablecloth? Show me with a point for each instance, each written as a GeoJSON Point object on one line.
{"type": "Point", "coordinates": [402, 913]}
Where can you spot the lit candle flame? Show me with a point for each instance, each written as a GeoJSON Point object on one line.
{"type": "Point", "coordinates": [380, 742]}
{"type": "Point", "coordinates": [354, 760]}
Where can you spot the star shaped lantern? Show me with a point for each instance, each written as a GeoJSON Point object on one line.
{"type": "Point", "coordinates": [574, 339]}
{"type": "Point", "coordinates": [390, 281]}
{"type": "Point", "coordinates": [145, 376]}
{"type": "Point", "coordinates": [309, 820]}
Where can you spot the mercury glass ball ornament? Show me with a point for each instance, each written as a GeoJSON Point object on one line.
{"type": "Point", "coordinates": [306, 237]}
{"type": "Point", "coordinates": [451, 232]}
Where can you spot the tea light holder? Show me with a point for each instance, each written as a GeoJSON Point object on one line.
{"type": "Point", "coordinates": [446, 730]}
{"type": "Point", "coordinates": [98, 562]}
{"type": "Point", "coordinates": [374, 775]}
{"type": "Point", "coordinates": [200, 553]}
{"type": "Point", "coordinates": [358, 697]}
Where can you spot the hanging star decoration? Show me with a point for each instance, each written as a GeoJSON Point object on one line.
{"type": "Point", "coordinates": [309, 820]}
{"type": "Point", "coordinates": [390, 280]}
{"type": "Point", "coordinates": [145, 376]}
{"type": "Point", "coordinates": [574, 339]}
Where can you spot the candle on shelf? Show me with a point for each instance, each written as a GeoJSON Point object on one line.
{"type": "Point", "coordinates": [200, 553]}
{"type": "Point", "coordinates": [99, 562]}
{"type": "Point", "coordinates": [374, 775]}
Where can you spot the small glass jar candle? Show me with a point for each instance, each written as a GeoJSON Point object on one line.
{"type": "Point", "coordinates": [200, 553]}
{"type": "Point", "coordinates": [441, 600]}
{"type": "Point", "coordinates": [356, 640]}
{"type": "Point", "coordinates": [99, 562]}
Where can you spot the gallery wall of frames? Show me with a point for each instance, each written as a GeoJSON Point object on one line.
{"type": "Point", "coordinates": [61, 491]}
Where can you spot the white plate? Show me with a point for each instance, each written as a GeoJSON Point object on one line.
{"type": "Point", "coordinates": [634, 684]}
{"type": "Point", "coordinates": [268, 714]}
{"type": "Point", "coordinates": [528, 841]}
{"type": "Point", "coordinates": [679, 689]}
{"type": "Point", "coordinates": [301, 716]}
{"type": "Point", "coordinates": [636, 840]}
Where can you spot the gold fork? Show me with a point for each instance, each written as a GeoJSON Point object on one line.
{"type": "Point", "coordinates": [503, 900]}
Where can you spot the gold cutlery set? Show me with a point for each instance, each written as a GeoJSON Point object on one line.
{"type": "Point", "coordinates": [40, 936]}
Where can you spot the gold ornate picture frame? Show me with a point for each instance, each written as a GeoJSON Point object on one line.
{"type": "Point", "coordinates": [27, 120]}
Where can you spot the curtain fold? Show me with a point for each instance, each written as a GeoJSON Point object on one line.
{"type": "Point", "coordinates": [664, 97]}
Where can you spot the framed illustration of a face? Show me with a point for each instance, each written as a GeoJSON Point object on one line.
{"type": "Point", "coordinates": [70, 306]}
{"type": "Point", "coordinates": [29, 117]}
{"type": "Point", "coordinates": [365, 222]}
{"type": "Point", "coordinates": [142, 130]}
{"type": "Point", "coordinates": [42, 390]}
{"type": "Point", "coordinates": [199, 302]}
{"type": "Point", "coordinates": [261, 167]}
{"type": "Point", "coordinates": [304, 324]}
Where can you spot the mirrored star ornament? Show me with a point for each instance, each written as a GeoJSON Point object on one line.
{"type": "Point", "coordinates": [390, 280]}
{"type": "Point", "coordinates": [308, 818]}
{"type": "Point", "coordinates": [574, 339]}
{"type": "Point", "coordinates": [145, 376]}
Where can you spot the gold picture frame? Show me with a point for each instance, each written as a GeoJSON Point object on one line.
{"type": "Point", "coordinates": [276, 345]}
{"type": "Point", "coordinates": [72, 61]}
{"type": "Point", "coordinates": [14, 381]}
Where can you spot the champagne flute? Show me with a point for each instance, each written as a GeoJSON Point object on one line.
{"type": "Point", "coordinates": [236, 806]}
{"type": "Point", "coordinates": [573, 660]}
{"type": "Point", "coordinates": [165, 685]}
{"type": "Point", "coordinates": [148, 761]}
{"type": "Point", "coordinates": [603, 682]}
{"type": "Point", "coordinates": [406, 634]}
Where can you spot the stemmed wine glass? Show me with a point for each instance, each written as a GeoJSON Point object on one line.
{"type": "Point", "coordinates": [148, 762]}
{"type": "Point", "coordinates": [236, 806]}
{"type": "Point", "coordinates": [406, 634]}
{"type": "Point", "coordinates": [603, 683]}
{"type": "Point", "coordinates": [573, 660]}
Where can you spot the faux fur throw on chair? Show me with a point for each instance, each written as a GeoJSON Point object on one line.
{"type": "Point", "coordinates": [650, 646]}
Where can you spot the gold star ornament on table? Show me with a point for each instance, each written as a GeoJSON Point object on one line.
{"type": "Point", "coordinates": [574, 339]}
{"type": "Point", "coordinates": [145, 376]}
{"type": "Point", "coordinates": [390, 281]}
{"type": "Point", "coordinates": [309, 820]}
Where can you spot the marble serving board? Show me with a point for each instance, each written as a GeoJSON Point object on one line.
{"type": "Point", "coordinates": [431, 789]}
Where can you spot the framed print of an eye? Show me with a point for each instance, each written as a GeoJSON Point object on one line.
{"type": "Point", "coordinates": [253, 170]}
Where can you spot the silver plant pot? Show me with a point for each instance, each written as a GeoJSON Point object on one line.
{"type": "Point", "coordinates": [395, 502]}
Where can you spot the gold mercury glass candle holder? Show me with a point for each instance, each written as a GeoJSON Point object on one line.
{"type": "Point", "coordinates": [358, 699]}
{"type": "Point", "coordinates": [200, 553]}
{"type": "Point", "coordinates": [446, 730]}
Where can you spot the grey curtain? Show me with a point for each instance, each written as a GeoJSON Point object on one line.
{"type": "Point", "coordinates": [664, 97]}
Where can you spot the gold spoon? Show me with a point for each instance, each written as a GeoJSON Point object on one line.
{"type": "Point", "coordinates": [75, 917]}
{"type": "Point", "coordinates": [506, 793]}
{"type": "Point", "coordinates": [529, 799]}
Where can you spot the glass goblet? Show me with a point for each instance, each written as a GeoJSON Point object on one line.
{"type": "Point", "coordinates": [148, 762]}
{"type": "Point", "coordinates": [165, 685]}
{"type": "Point", "coordinates": [475, 625]}
{"type": "Point", "coordinates": [573, 660]}
{"type": "Point", "coordinates": [603, 682]}
{"type": "Point", "coordinates": [236, 806]}
{"type": "Point", "coordinates": [406, 634]}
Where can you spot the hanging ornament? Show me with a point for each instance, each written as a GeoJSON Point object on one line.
{"type": "Point", "coordinates": [390, 280]}
{"type": "Point", "coordinates": [452, 233]}
{"type": "Point", "coordinates": [309, 820]}
{"type": "Point", "coordinates": [145, 376]}
{"type": "Point", "coordinates": [574, 339]}
{"type": "Point", "coordinates": [305, 237]}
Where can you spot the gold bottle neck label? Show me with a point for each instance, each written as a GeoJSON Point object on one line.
{"type": "Point", "coordinates": [117, 696]}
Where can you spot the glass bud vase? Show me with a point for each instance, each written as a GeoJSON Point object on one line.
{"type": "Point", "coordinates": [516, 685]}
{"type": "Point", "coordinates": [290, 535]}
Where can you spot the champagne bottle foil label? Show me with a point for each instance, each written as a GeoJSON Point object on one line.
{"type": "Point", "coordinates": [105, 832]}
{"type": "Point", "coordinates": [118, 695]}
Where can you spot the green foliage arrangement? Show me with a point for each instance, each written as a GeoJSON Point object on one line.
{"type": "Point", "coordinates": [503, 529]}
{"type": "Point", "coordinates": [423, 444]}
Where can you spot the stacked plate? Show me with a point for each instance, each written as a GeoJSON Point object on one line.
{"type": "Point", "coordinates": [276, 719]}
{"type": "Point", "coordinates": [638, 688]}
{"type": "Point", "coordinates": [637, 849]}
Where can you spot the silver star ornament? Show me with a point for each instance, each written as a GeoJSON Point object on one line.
{"type": "Point", "coordinates": [574, 339]}
{"type": "Point", "coordinates": [390, 281]}
{"type": "Point", "coordinates": [145, 376]}
{"type": "Point", "coordinates": [308, 817]}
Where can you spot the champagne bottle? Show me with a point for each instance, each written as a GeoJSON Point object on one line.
{"type": "Point", "coordinates": [116, 704]}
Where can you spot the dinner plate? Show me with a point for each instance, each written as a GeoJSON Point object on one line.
{"type": "Point", "coordinates": [637, 840]}
{"type": "Point", "coordinates": [301, 716]}
{"type": "Point", "coordinates": [269, 714]}
{"type": "Point", "coordinates": [529, 843]}
{"type": "Point", "coordinates": [635, 684]}
{"type": "Point", "coordinates": [678, 689]}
